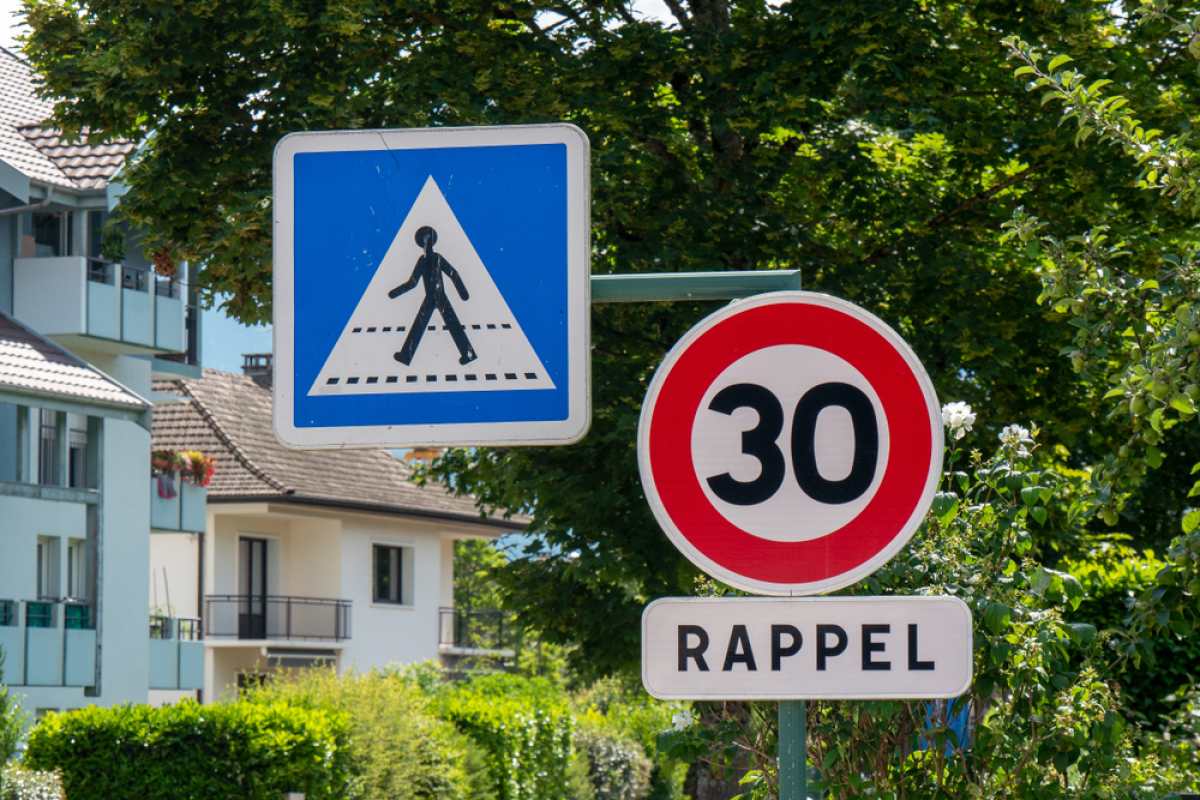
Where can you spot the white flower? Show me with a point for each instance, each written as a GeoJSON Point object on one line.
{"type": "Point", "coordinates": [959, 418]}
{"type": "Point", "coordinates": [682, 721]}
{"type": "Point", "coordinates": [1015, 434]}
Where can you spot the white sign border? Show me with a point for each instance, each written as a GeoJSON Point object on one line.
{"type": "Point", "coordinates": [725, 575]}
{"type": "Point", "coordinates": [969, 645]}
{"type": "Point", "coordinates": [579, 378]}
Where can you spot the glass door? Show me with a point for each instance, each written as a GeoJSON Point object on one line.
{"type": "Point", "coordinates": [252, 588]}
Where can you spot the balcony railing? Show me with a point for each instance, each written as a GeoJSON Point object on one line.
{"type": "Point", "coordinates": [483, 629]}
{"type": "Point", "coordinates": [44, 646]}
{"type": "Point", "coordinates": [78, 296]}
{"type": "Point", "coordinates": [176, 653]}
{"type": "Point", "coordinates": [277, 617]}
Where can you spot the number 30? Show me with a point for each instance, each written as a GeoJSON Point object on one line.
{"type": "Point", "coordinates": [760, 443]}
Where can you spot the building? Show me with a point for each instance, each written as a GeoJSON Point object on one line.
{"type": "Point", "coordinates": [81, 338]}
{"type": "Point", "coordinates": [305, 557]}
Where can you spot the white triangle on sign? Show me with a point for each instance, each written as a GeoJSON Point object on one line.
{"type": "Point", "coordinates": [364, 360]}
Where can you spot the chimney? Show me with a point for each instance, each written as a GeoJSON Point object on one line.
{"type": "Point", "coordinates": [258, 366]}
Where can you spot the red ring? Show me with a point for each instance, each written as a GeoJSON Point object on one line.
{"type": "Point", "coordinates": [905, 475]}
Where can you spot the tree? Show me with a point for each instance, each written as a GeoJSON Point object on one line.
{"type": "Point", "coordinates": [1137, 321]}
{"type": "Point", "coordinates": [873, 144]}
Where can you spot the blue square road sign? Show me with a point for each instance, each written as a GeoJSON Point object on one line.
{"type": "Point", "coordinates": [432, 287]}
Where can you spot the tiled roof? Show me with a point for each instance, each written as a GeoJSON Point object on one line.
{"type": "Point", "coordinates": [38, 152]}
{"type": "Point", "coordinates": [32, 363]}
{"type": "Point", "coordinates": [229, 417]}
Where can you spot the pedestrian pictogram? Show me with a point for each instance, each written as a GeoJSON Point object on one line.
{"type": "Point", "coordinates": [432, 287]}
{"type": "Point", "coordinates": [790, 444]}
{"type": "Point", "coordinates": [405, 334]}
{"type": "Point", "coordinates": [431, 266]}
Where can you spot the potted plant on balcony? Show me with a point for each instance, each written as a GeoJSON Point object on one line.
{"type": "Point", "coordinates": [200, 468]}
{"type": "Point", "coordinates": [112, 243]}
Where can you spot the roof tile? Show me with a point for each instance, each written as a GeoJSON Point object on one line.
{"type": "Point", "coordinates": [229, 417]}
{"type": "Point", "coordinates": [31, 362]}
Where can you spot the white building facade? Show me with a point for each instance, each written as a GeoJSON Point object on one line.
{"type": "Point", "coordinates": [306, 557]}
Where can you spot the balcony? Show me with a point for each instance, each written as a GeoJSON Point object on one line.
{"type": "Point", "coordinates": [48, 642]}
{"type": "Point", "coordinates": [98, 304]}
{"type": "Point", "coordinates": [185, 512]}
{"type": "Point", "coordinates": [176, 653]}
{"type": "Point", "coordinates": [277, 618]}
{"type": "Point", "coordinates": [484, 632]}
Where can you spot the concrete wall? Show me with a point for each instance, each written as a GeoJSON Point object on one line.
{"type": "Point", "coordinates": [124, 618]}
{"type": "Point", "coordinates": [24, 521]}
{"type": "Point", "coordinates": [386, 633]}
{"type": "Point", "coordinates": [175, 555]}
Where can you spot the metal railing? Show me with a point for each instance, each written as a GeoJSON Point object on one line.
{"type": "Point", "coordinates": [136, 279]}
{"type": "Point", "coordinates": [233, 616]}
{"type": "Point", "coordinates": [166, 287]}
{"type": "Point", "coordinates": [100, 271]}
{"type": "Point", "coordinates": [483, 629]}
{"type": "Point", "coordinates": [39, 614]}
{"type": "Point", "coordinates": [77, 615]}
{"type": "Point", "coordinates": [186, 629]}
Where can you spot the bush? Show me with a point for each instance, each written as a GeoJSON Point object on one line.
{"type": "Point", "coordinates": [525, 727]}
{"type": "Point", "coordinates": [240, 751]}
{"type": "Point", "coordinates": [618, 769]}
{"type": "Point", "coordinates": [622, 709]}
{"type": "Point", "coordinates": [18, 783]}
{"type": "Point", "coordinates": [12, 720]}
{"type": "Point", "coordinates": [1111, 576]}
{"type": "Point", "coordinates": [398, 748]}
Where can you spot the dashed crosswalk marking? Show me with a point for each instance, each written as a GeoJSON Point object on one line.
{"type": "Point", "coordinates": [364, 359]}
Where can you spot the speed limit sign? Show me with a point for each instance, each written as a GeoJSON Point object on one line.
{"type": "Point", "coordinates": [790, 444]}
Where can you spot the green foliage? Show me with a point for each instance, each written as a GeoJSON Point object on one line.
{"type": "Point", "coordinates": [112, 242]}
{"type": "Point", "coordinates": [1113, 577]}
{"type": "Point", "coordinates": [621, 709]}
{"type": "Point", "coordinates": [398, 747]}
{"type": "Point", "coordinates": [18, 783]}
{"type": "Point", "coordinates": [13, 719]}
{"type": "Point", "coordinates": [875, 145]}
{"type": "Point", "coordinates": [523, 724]}
{"type": "Point", "coordinates": [475, 563]}
{"type": "Point", "coordinates": [239, 751]}
{"type": "Point", "coordinates": [1137, 331]}
{"type": "Point", "coordinates": [1046, 724]}
{"type": "Point", "coordinates": [618, 769]}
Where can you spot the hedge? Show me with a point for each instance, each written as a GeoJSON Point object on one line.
{"type": "Point", "coordinates": [238, 751]}
{"type": "Point", "coordinates": [524, 726]}
{"type": "Point", "coordinates": [18, 783]}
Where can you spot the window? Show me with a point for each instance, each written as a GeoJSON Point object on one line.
{"type": "Point", "coordinates": [48, 448]}
{"type": "Point", "coordinates": [95, 232]}
{"type": "Point", "coordinates": [52, 234]}
{"type": "Point", "coordinates": [47, 566]}
{"type": "Point", "coordinates": [77, 467]}
{"type": "Point", "coordinates": [388, 561]}
{"type": "Point", "coordinates": [76, 564]}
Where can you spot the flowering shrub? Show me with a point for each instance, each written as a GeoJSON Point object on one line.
{"type": "Point", "coordinates": [1040, 722]}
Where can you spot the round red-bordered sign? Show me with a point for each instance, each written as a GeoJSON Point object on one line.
{"type": "Point", "coordinates": [842, 486]}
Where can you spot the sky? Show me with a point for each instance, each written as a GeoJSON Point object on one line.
{"type": "Point", "coordinates": [225, 341]}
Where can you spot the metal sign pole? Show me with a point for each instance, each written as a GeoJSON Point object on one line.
{"type": "Point", "coordinates": [793, 751]}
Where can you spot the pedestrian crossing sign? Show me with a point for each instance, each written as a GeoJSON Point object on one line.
{"type": "Point", "coordinates": [431, 287]}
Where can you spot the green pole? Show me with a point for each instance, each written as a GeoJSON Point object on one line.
{"type": "Point", "coordinates": [793, 751]}
{"type": "Point", "coordinates": [660, 287]}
